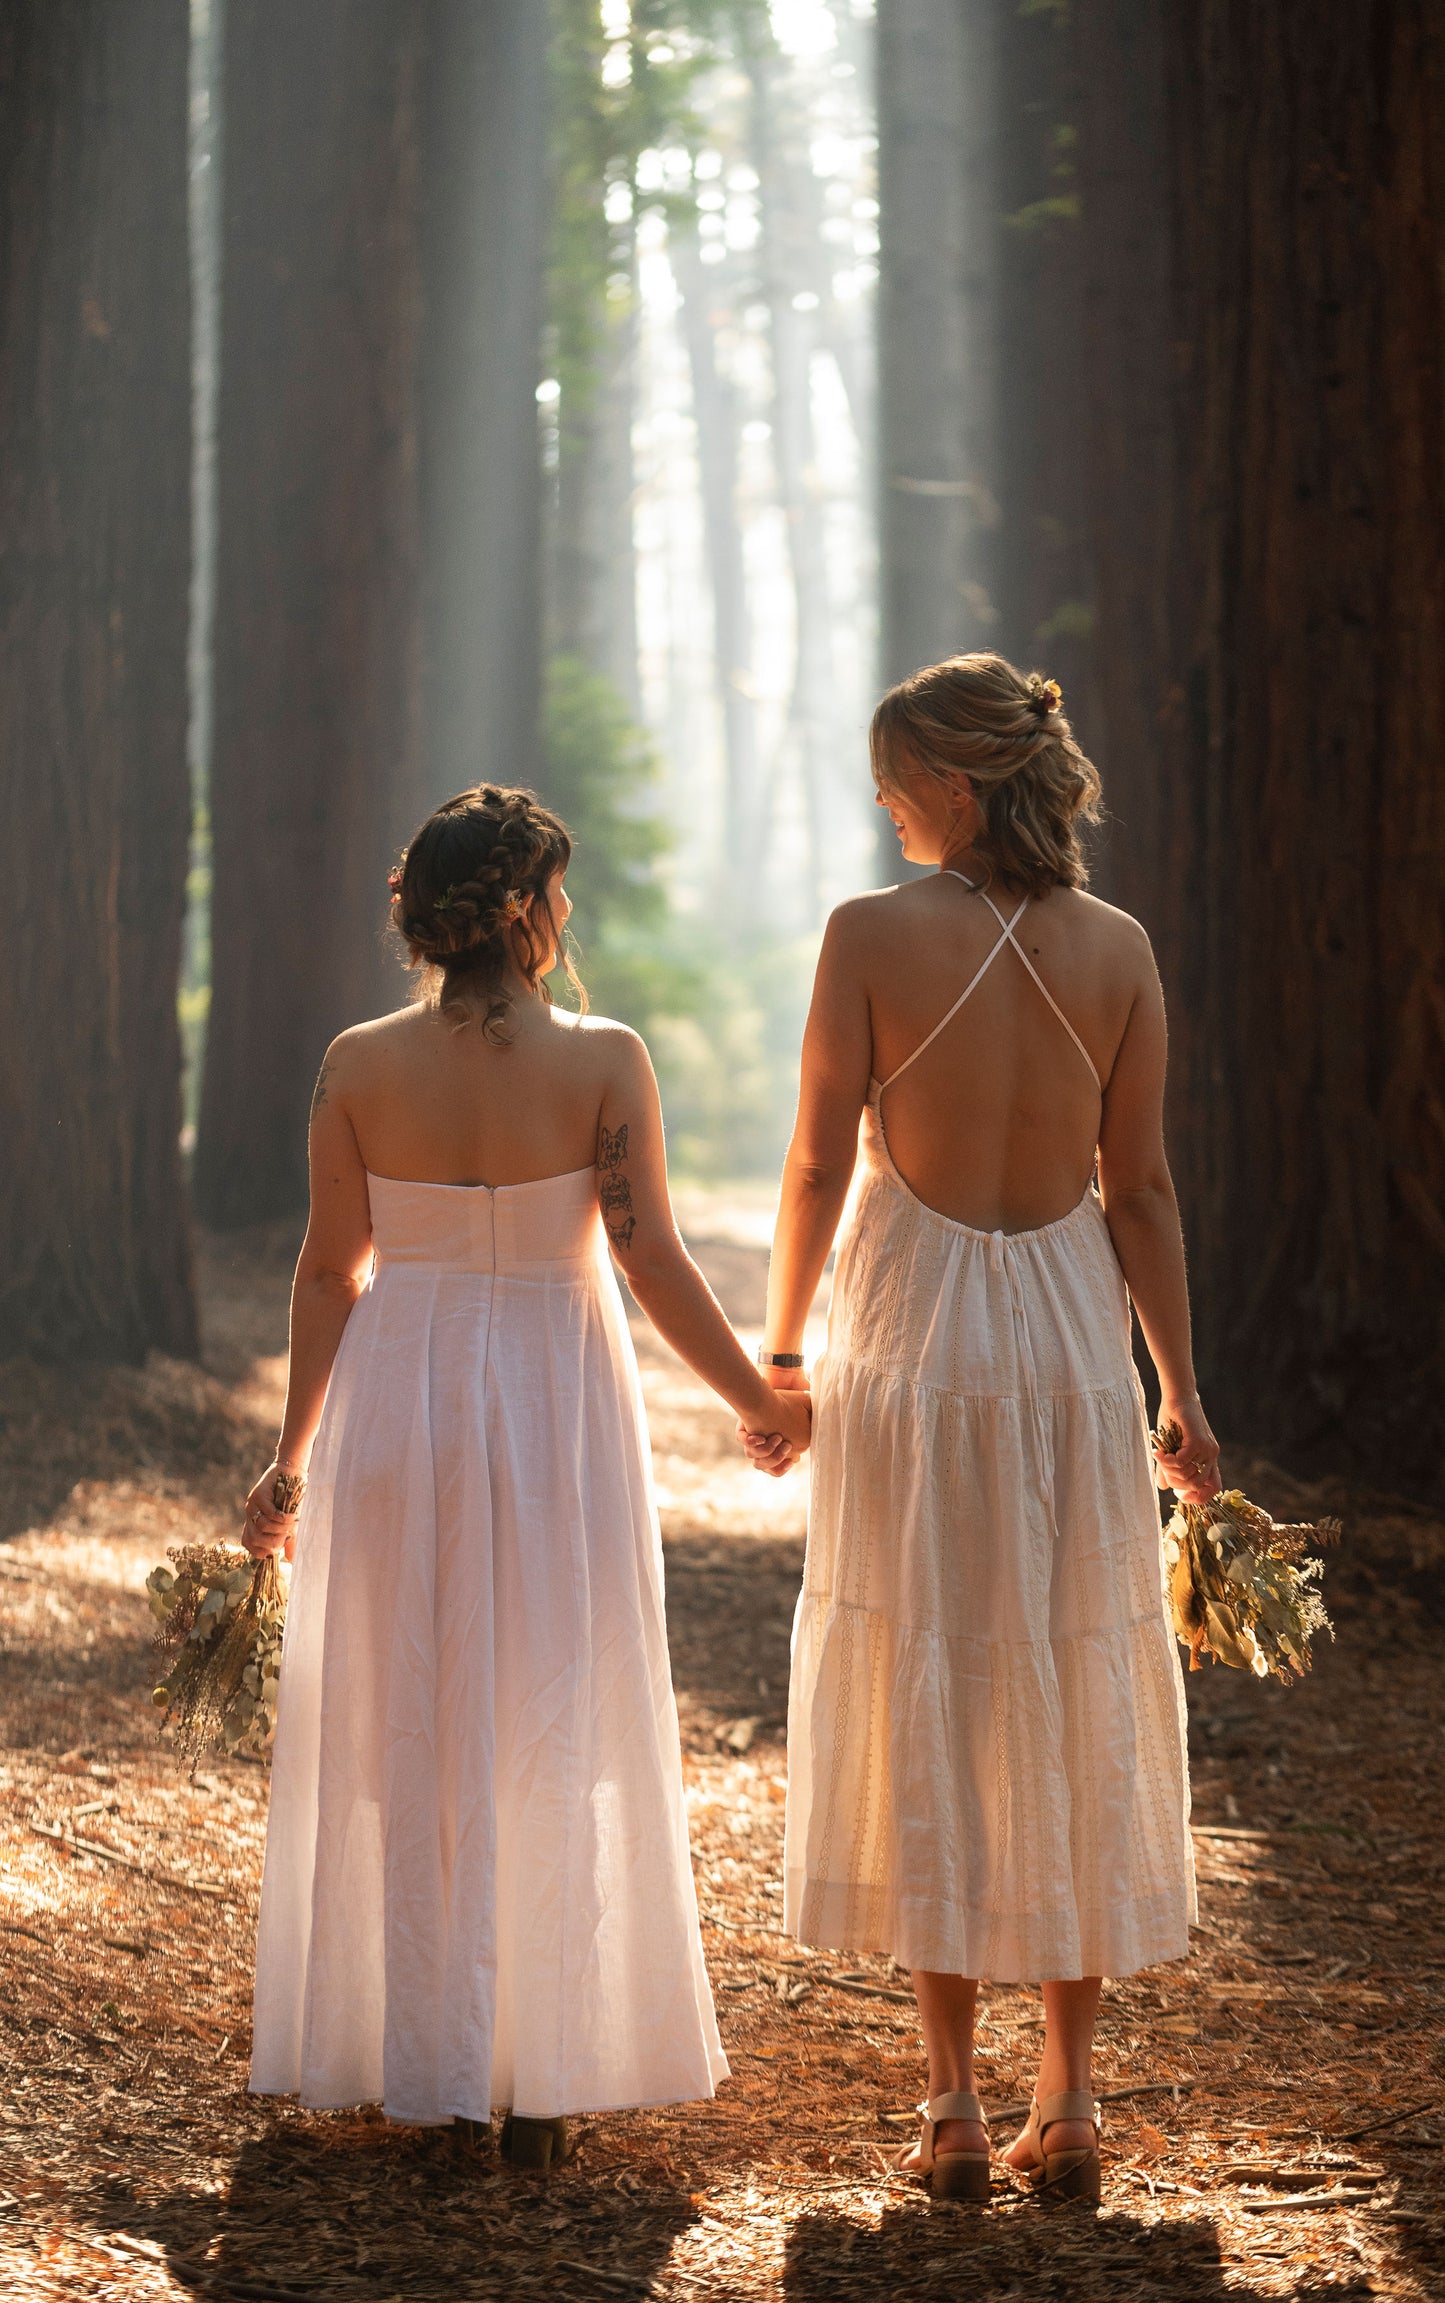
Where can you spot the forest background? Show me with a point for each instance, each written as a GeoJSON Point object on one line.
{"type": "Point", "coordinates": [611, 397]}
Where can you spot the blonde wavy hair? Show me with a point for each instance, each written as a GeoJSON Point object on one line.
{"type": "Point", "coordinates": [1004, 731]}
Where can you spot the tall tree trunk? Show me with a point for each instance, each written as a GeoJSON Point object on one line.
{"type": "Point", "coordinates": [484, 231]}
{"type": "Point", "coordinates": [938, 311]}
{"type": "Point", "coordinates": [791, 245]}
{"type": "Point", "coordinates": [94, 549]}
{"type": "Point", "coordinates": [1044, 614]}
{"type": "Point", "coordinates": [595, 607]}
{"type": "Point", "coordinates": [1133, 702]}
{"type": "Point", "coordinates": [718, 435]}
{"type": "Point", "coordinates": [1295, 715]}
{"type": "Point", "coordinates": [315, 776]}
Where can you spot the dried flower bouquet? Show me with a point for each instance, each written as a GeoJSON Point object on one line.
{"type": "Point", "coordinates": [221, 1616]}
{"type": "Point", "coordinates": [1241, 1587]}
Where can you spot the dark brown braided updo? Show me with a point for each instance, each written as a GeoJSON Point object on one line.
{"type": "Point", "coordinates": [470, 896]}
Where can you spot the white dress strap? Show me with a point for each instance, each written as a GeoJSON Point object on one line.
{"type": "Point", "coordinates": [1008, 937]}
{"type": "Point", "coordinates": [969, 988]}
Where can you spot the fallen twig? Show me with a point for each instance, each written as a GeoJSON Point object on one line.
{"type": "Point", "coordinates": [93, 1847]}
{"type": "Point", "coordinates": [866, 1989]}
{"type": "Point", "coordinates": [1295, 2199]}
{"type": "Point", "coordinates": [1391, 2119]}
{"type": "Point", "coordinates": [1108, 2095]}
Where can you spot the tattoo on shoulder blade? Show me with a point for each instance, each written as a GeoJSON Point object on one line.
{"type": "Point", "coordinates": [318, 1093]}
{"type": "Point", "coordinates": [614, 1192]}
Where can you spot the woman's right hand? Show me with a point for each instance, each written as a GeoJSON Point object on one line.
{"type": "Point", "coordinates": [1192, 1468]}
{"type": "Point", "coordinates": [265, 1530]}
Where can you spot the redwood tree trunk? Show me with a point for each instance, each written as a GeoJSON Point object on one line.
{"type": "Point", "coordinates": [315, 770]}
{"type": "Point", "coordinates": [94, 560]}
{"type": "Point", "coordinates": [1291, 713]}
{"type": "Point", "coordinates": [483, 244]}
{"type": "Point", "coordinates": [938, 317]}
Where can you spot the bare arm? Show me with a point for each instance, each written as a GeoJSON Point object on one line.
{"type": "Point", "coordinates": [637, 1211]}
{"type": "Point", "coordinates": [1143, 1218]}
{"type": "Point", "coordinates": [837, 1056]}
{"type": "Point", "coordinates": [331, 1273]}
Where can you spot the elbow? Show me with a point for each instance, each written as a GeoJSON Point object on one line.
{"type": "Point", "coordinates": [645, 1269]}
{"type": "Point", "coordinates": [326, 1285]}
{"type": "Point", "coordinates": [1146, 1199]}
{"type": "Point", "coordinates": [817, 1178]}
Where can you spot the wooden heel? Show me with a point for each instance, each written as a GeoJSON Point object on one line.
{"type": "Point", "coordinates": [1070, 2175]}
{"type": "Point", "coordinates": [1064, 2174]}
{"type": "Point", "coordinates": [950, 2174]}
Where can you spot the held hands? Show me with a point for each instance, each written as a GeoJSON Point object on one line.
{"type": "Point", "coordinates": [266, 1529]}
{"type": "Point", "coordinates": [774, 1441]}
{"type": "Point", "coordinates": [1192, 1468]}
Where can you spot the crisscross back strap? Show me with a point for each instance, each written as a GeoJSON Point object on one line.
{"type": "Point", "coordinates": [1008, 937]}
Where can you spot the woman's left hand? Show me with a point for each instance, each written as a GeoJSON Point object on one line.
{"type": "Point", "coordinates": [775, 1447]}
{"type": "Point", "coordinates": [265, 1530]}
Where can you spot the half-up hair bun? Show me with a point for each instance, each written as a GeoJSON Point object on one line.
{"type": "Point", "coordinates": [470, 898]}
{"type": "Point", "coordinates": [977, 720]}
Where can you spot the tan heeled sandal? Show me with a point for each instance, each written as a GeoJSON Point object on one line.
{"type": "Point", "coordinates": [1063, 2174]}
{"type": "Point", "coordinates": [951, 2174]}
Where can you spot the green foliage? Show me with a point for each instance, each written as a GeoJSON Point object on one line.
{"type": "Point", "coordinates": [600, 768]}
{"type": "Point", "coordinates": [1039, 215]}
{"type": "Point", "coordinates": [598, 132]}
{"type": "Point", "coordinates": [724, 1032]}
{"type": "Point", "coordinates": [1071, 620]}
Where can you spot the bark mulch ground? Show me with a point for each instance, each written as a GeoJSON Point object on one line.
{"type": "Point", "coordinates": [1275, 2105]}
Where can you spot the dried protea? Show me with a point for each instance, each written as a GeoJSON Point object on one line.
{"type": "Point", "coordinates": [1241, 1587]}
{"type": "Point", "coordinates": [222, 1615]}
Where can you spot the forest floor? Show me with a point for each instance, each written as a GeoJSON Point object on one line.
{"type": "Point", "coordinates": [1275, 2105]}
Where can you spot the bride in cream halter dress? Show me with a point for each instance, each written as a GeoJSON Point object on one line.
{"type": "Point", "coordinates": [986, 1737]}
{"type": "Point", "coordinates": [986, 1727]}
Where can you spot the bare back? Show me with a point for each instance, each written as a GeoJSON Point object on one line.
{"type": "Point", "coordinates": [429, 1103]}
{"type": "Point", "coordinates": [996, 1120]}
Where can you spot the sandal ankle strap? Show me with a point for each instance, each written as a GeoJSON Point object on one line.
{"type": "Point", "coordinates": [1073, 2103]}
{"type": "Point", "coordinates": [955, 2105]}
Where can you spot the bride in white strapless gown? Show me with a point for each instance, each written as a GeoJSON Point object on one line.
{"type": "Point", "coordinates": [477, 1888]}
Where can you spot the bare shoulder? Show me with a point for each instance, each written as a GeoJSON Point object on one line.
{"type": "Point", "coordinates": [615, 1051]}
{"type": "Point", "coordinates": [856, 925]}
{"type": "Point", "coordinates": [1115, 934]}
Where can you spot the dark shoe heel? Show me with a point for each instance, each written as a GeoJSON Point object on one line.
{"type": "Point", "coordinates": [534, 2145]}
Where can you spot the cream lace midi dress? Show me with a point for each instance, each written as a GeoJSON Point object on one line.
{"type": "Point", "coordinates": [477, 1887]}
{"type": "Point", "coordinates": [986, 1727]}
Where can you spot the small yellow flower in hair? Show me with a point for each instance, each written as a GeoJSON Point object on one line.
{"type": "Point", "coordinates": [513, 904]}
{"type": "Point", "coordinates": [1046, 693]}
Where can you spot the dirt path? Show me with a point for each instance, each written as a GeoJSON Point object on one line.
{"type": "Point", "coordinates": [134, 2165]}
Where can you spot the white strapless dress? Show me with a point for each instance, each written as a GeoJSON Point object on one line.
{"type": "Point", "coordinates": [477, 1887]}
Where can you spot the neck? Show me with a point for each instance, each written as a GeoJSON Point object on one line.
{"type": "Point", "coordinates": [960, 860]}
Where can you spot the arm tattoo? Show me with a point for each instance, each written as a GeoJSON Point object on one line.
{"type": "Point", "coordinates": [614, 1192]}
{"type": "Point", "coordinates": [318, 1093]}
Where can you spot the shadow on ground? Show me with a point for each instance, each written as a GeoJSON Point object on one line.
{"type": "Point", "coordinates": [374, 2212]}
{"type": "Point", "coordinates": [1028, 2253]}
